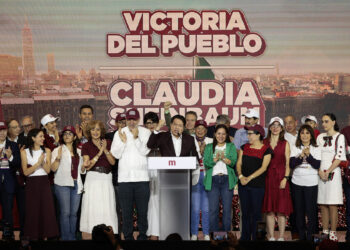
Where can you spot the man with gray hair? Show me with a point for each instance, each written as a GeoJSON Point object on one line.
{"type": "Point", "coordinates": [27, 124]}
{"type": "Point", "coordinates": [222, 119]}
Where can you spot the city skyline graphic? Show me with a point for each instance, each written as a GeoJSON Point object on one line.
{"type": "Point", "coordinates": [51, 52]}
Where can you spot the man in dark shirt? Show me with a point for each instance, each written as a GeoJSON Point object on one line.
{"type": "Point", "coordinates": [27, 124]}
{"type": "Point", "coordinates": [86, 114]}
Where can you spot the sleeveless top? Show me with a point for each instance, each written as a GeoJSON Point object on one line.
{"type": "Point", "coordinates": [32, 160]}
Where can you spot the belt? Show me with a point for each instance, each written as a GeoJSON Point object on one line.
{"type": "Point", "coordinates": [102, 170]}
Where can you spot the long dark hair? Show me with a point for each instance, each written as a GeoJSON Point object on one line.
{"type": "Point", "coordinates": [215, 142]}
{"type": "Point", "coordinates": [74, 144]}
{"type": "Point", "coordinates": [33, 133]}
{"type": "Point", "coordinates": [333, 118]}
{"type": "Point", "coordinates": [298, 142]}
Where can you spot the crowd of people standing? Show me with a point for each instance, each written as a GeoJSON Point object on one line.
{"type": "Point", "coordinates": [70, 181]}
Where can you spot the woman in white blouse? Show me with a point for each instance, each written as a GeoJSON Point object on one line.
{"type": "Point", "coordinates": [67, 164]}
{"type": "Point", "coordinates": [330, 193]}
{"type": "Point", "coordinates": [305, 159]}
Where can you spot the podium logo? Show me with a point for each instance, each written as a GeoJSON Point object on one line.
{"type": "Point", "coordinates": [172, 163]}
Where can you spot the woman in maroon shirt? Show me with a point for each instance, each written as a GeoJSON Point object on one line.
{"type": "Point", "coordinates": [98, 205]}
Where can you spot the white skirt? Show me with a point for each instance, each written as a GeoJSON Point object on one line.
{"type": "Point", "coordinates": [98, 204]}
{"type": "Point", "coordinates": [330, 192]}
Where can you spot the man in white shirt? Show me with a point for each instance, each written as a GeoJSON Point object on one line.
{"type": "Point", "coordinates": [130, 147]}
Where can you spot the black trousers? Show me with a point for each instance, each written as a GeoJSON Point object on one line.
{"type": "Point", "coordinates": [20, 199]}
{"type": "Point", "coordinates": [6, 199]}
{"type": "Point", "coordinates": [119, 209]}
{"type": "Point", "coordinates": [305, 204]}
{"type": "Point", "coordinates": [138, 193]}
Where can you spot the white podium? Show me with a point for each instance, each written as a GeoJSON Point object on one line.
{"type": "Point", "coordinates": [174, 194]}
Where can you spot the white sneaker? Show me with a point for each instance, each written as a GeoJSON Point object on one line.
{"type": "Point", "coordinates": [280, 239]}
{"type": "Point", "coordinates": [194, 237]}
{"type": "Point", "coordinates": [272, 239]}
{"type": "Point", "coordinates": [206, 237]}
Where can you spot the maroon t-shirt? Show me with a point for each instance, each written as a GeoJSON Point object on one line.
{"type": "Point", "coordinates": [91, 150]}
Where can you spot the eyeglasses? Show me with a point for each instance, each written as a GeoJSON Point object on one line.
{"type": "Point", "coordinates": [27, 125]}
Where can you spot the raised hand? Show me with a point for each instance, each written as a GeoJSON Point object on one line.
{"type": "Point", "coordinates": [122, 135]}
{"type": "Point", "coordinates": [78, 131]}
{"type": "Point", "coordinates": [222, 156]}
{"type": "Point", "coordinates": [103, 144]}
{"type": "Point", "coordinates": [217, 157]}
{"type": "Point", "coordinates": [41, 159]}
{"type": "Point", "coordinates": [8, 152]}
{"type": "Point", "coordinates": [167, 105]}
{"type": "Point", "coordinates": [57, 136]}
{"type": "Point", "coordinates": [135, 132]}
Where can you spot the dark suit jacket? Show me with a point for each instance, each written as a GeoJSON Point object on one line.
{"type": "Point", "coordinates": [22, 140]}
{"type": "Point", "coordinates": [164, 142]}
{"type": "Point", "coordinates": [10, 174]}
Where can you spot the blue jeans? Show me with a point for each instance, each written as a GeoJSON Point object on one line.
{"type": "Point", "coordinates": [69, 202]}
{"type": "Point", "coordinates": [220, 189]}
{"type": "Point", "coordinates": [251, 200]}
{"type": "Point", "coordinates": [199, 202]}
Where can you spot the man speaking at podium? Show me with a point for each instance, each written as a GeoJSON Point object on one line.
{"type": "Point", "coordinates": [175, 142]}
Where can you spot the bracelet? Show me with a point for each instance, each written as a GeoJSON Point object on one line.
{"type": "Point", "coordinates": [240, 176]}
{"type": "Point", "coordinates": [57, 159]}
{"type": "Point", "coordinates": [287, 177]}
{"type": "Point", "coordinates": [107, 153]}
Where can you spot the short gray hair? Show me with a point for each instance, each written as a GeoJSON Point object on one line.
{"type": "Point", "coordinates": [223, 119]}
{"type": "Point", "coordinates": [27, 116]}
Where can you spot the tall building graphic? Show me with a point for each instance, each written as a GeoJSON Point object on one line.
{"type": "Point", "coordinates": [50, 62]}
{"type": "Point", "coordinates": [28, 53]}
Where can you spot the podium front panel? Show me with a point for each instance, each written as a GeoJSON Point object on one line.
{"type": "Point", "coordinates": [174, 207]}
